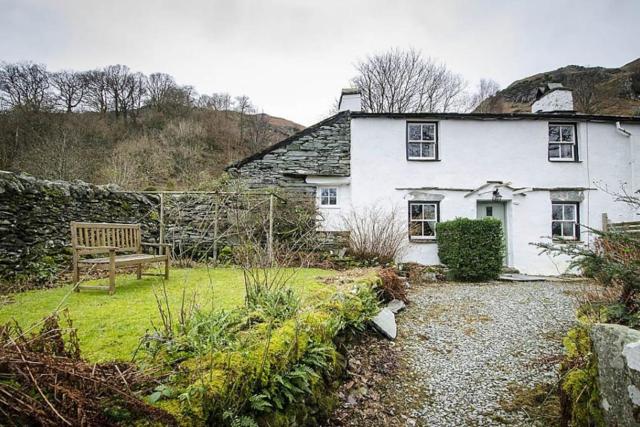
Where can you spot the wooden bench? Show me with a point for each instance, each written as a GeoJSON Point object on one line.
{"type": "Point", "coordinates": [90, 238]}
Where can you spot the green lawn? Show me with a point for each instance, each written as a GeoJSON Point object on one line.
{"type": "Point", "coordinates": [109, 327]}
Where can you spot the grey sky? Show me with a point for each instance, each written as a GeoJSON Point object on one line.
{"type": "Point", "coordinates": [293, 56]}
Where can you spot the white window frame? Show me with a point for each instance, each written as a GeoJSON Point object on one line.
{"type": "Point", "coordinates": [422, 141]}
{"type": "Point", "coordinates": [575, 221]}
{"type": "Point", "coordinates": [572, 143]}
{"type": "Point", "coordinates": [321, 197]}
{"type": "Point", "coordinates": [435, 220]}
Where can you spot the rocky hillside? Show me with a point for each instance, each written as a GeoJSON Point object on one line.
{"type": "Point", "coordinates": [596, 90]}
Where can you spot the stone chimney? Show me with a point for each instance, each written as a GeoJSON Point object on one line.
{"type": "Point", "coordinates": [553, 98]}
{"type": "Point", "coordinates": [350, 100]}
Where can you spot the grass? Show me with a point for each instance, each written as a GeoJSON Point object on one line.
{"type": "Point", "coordinates": [110, 327]}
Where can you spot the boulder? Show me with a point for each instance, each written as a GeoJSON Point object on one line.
{"type": "Point", "coordinates": [385, 323]}
{"type": "Point", "coordinates": [396, 305]}
{"type": "Point", "coordinates": [618, 351]}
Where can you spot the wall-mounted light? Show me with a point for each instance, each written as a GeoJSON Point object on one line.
{"type": "Point", "coordinates": [496, 196]}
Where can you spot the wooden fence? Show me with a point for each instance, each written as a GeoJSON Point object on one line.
{"type": "Point", "coordinates": [631, 227]}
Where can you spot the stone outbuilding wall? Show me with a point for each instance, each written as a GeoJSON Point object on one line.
{"type": "Point", "coordinates": [320, 150]}
{"type": "Point", "coordinates": [617, 348]}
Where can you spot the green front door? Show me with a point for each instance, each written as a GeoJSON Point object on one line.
{"type": "Point", "coordinates": [495, 210]}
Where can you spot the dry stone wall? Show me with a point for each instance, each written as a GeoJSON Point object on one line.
{"type": "Point", "coordinates": [35, 216]}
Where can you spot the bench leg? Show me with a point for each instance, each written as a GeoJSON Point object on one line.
{"type": "Point", "coordinates": [112, 273]}
{"type": "Point", "coordinates": [139, 271]}
{"type": "Point", "coordinates": [76, 274]}
{"type": "Point", "coordinates": [166, 268]}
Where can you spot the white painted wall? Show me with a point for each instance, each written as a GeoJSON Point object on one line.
{"type": "Point", "coordinates": [473, 152]}
{"type": "Point", "coordinates": [555, 100]}
{"type": "Point", "coordinates": [332, 216]}
{"type": "Point", "coordinates": [350, 102]}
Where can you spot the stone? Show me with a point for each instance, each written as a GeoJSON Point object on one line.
{"type": "Point", "coordinates": [396, 305]}
{"type": "Point", "coordinates": [616, 348]}
{"type": "Point", "coordinates": [632, 353]}
{"type": "Point", "coordinates": [385, 323]}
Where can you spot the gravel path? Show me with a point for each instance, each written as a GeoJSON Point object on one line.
{"type": "Point", "coordinates": [470, 344]}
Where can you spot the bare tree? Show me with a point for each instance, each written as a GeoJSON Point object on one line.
{"type": "Point", "coordinates": [243, 106]}
{"type": "Point", "coordinates": [259, 128]}
{"type": "Point", "coordinates": [584, 91]}
{"type": "Point", "coordinates": [71, 88]}
{"type": "Point", "coordinates": [486, 89]}
{"type": "Point", "coordinates": [117, 78]}
{"type": "Point", "coordinates": [25, 86]}
{"type": "Point", "coordinates": [133, 92]}
{"type": "Point", "coordinates": [404, 81]}
{"type": "Point", "coordinates": [221, 101]}
{"type": "Point", "coordinates": [97, 96]}
{"type": "Point", "coordinates": [160, 89]}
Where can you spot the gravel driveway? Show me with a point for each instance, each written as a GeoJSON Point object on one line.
{"type": "Point", "coordinates": [469, 345]}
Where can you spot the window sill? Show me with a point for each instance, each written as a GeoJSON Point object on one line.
{"type": "Point", "coordinates": [564, 161]}
{"type": "Point", "coordinates": [328, 207]}
{"type": "Point", "coordinates": [424, 240]}
{"type": "Point", "coordinates": [417, 159]}
{"type": "Point", "coordinates": [561, 241]}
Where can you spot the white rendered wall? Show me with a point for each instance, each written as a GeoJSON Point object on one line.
{"type": "Point", "coordinates": [557, 100]}
{"type": "Point", "coordinates": [473, 152]}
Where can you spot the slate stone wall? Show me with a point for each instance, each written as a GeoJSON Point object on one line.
{"type": "Point", "coordinates": [35, 217]}
{"type": "Point", "coordinates": [618, 351]}
{"type": "Point", "coordinates": [323, 149]}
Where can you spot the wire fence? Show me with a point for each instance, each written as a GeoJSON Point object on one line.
{"type": "Point", "coordinates": [204, 226]}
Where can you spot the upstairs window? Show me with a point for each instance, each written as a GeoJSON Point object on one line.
{"type": "Point", "coordinates": [563, 145]}
{"type": "Point", "coordinates": [329, 196]}
{"type": "Point", "coordinates": [423, 217]}
{"type": "Point", "coordinates": [565, 220]}
{"type": "Point", "coordinates": [422, 141]}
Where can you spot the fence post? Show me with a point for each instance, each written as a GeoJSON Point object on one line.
{"type": "Point", "coordinates": [161, 248]}
{"type": "Point", "coordinates": [605, 222]}
{"type": "Point", "coordinates": [215, 234]}
{"type": "Point", "coordinates": [270, 236]}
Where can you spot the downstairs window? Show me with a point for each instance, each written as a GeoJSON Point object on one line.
{"type": "Point", "coordinates": [328, 196]}
{"type": "Point", "coordinates": [565, 220]}
{"type": "Point", "coordinates": [423, 217]}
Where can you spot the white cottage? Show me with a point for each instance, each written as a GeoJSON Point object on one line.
{"type": "Point", "coordinates": [543, 174]}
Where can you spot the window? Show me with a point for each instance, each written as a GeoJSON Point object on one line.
{"type": "Point", "coordinates": [563, 142]}
{"type": "Point", "coordinates": [423, 217]}
{"type": "Point", "coordinates": [422, 141]}
{"type": "Point", "coordinates": [565, 218]}
{"type": "Point", "coordinates": [329, 196]}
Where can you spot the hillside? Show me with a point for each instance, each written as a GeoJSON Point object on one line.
{"type": "Point", "coordinates": [597, 90]}
{"type": "Point", "coordinates": [180, 149]}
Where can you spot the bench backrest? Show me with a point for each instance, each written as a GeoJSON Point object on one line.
{"type": "Point", "coordinates": [93, 237]}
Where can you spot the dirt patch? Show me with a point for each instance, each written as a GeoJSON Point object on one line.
{"type": "Point", "coordinates": [371, 396]}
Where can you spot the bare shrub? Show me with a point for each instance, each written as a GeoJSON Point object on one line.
{"type": "Point", "coordinates": [376, 234]}
{"type": "Point", "coordinates": [46, 383]}
{"type": "Point", "coordinates": [392, 286]}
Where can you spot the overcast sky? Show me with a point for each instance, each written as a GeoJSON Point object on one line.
{"type": "Point", "coordinates": [292, 57]}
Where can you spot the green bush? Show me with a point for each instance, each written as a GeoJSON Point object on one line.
{"type": "Point", "coordinates": [471, 248]}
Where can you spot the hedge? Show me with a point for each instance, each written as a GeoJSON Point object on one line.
{"type": "Point", "coordinates": [473, 249]}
